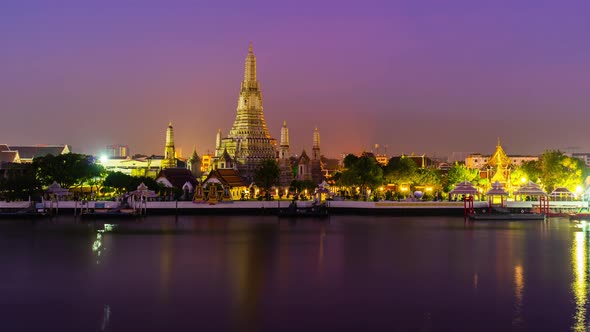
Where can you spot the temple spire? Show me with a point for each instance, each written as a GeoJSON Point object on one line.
{"type": "Point", "coordinates": [285, 134]}
{"type": "Point", "coordinates": [316, 144]}
{"type": "Point", "coordinates": [284, 144]}
{"type": "Point", "coordinates": [169, 151]}
{"type": "Point", "coordinates": [316, 138]}
{"type": "Point", "coordinates": [218, 140]}
{"type": "Point", "coordinates": [250, 66]}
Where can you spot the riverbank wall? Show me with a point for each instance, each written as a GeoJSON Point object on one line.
{"type": "Point", "coordinates": [417, 208]}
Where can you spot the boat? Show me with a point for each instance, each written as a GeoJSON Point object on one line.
{"type": "Point", "coordinates": [26, 212]}
{"type": "Point", "coordinates": [581, 214]}
{"type": "Point", "coordinates": [22, 214]}
{"type": "Point", "coordinates": [111, 213]}
{"type": "Point", "coordinates": [294, 211]}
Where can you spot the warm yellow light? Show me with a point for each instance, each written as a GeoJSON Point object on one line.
{"type": "Point", "coordinates": [579, 189]}
{"type": "Point", "coordinates": [428, 188]}
{"type": "Point", "coordinates": [523, 180]}
{"type": "Point", "coordinates": [404, 188]}
{"type": "Point", "coordinates": [381, 188]}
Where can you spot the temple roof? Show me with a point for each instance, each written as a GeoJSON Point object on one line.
{"type": "Point", "coordinates": [194, 156]}
{"type": "Point", "coordinates": [531, 189]}
{"type": "Point", "coordinates": [9, 156]}
{"type": "Point", "coordinates": [226, 156]}
{"type": "Point", "coordinates": [303, 159]}
{"type": "Point", "coordinates": [561, 191]}
{"type": "Point", "coordinates": [497, 189]}
{"type": "Point", "coordinates": [178, 176]}
{"type": "Point", "coordinates": [499, 158]}
{"type": "Point", "coordinates": [464, 188]}
{"type": "Point", "coordinates": [227, 177]}
{"type": "Point", "coordinates": [30, 152]}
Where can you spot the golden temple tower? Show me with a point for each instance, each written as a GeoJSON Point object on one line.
{"type": "Point", "coordinates": [316, 158]}
{"type": "Point", "coordinates": [248, 141]}
{"type": "Point", "coordinates": [169, 153]}
{"type": "Point", "coordinates": [286, 175]}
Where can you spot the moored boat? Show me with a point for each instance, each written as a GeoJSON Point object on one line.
{"type": "Point", "coordinates": [315, 211]}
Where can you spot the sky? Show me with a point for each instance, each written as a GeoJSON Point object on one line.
{"type": "Point", "coordinates": [417, 76]}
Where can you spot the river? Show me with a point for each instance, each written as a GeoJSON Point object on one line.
{"type": "Point", "coordinates": [350, 273]}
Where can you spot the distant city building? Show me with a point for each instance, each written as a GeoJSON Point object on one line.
{"type": "Point", "coordinates": [169, 153]}
{"type": "Point", "coordinates": [248, 142]}
{"type": "Point", "coordinates": [380, 154]}
{"type": "Point", "coordinates": [142, 166]}
{"type": "Point", "coordinates": [458, 157]}
{"type": "Point", "coordinates": [585, 157]}
{"type": "Point", "coordinates": [26, 153]}
{"type": "Point", "coordinates": [117, 150]}
{"type": "Point", "coordinates": [382, 159]}
{"type": "Point", "coordinates": [422, 161]}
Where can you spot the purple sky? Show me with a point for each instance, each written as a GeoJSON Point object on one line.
{"type": "Point", "coordinates": [419, 76]}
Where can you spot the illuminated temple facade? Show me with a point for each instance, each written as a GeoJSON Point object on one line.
{"type": "Point", "coordinates": [248, 142]}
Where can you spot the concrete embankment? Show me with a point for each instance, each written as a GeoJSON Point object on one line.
{"type": "Point", "coordinates": [417, 208]}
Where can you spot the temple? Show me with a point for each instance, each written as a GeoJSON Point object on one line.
{"type": "Point", "coordinates": [248, 142]}
{"type": "Point", "coordinates": [498, 166]}
{"type": "Point", "coordinates": [310, 169]}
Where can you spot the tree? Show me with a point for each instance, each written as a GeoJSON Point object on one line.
{"type": "Point", "coordinates": [559, 170]}
{"type": "Point", "coordinates": [267, 175]}
{"type": "Point", "coordinates": [19, 182]}
{"type": "Point", "coordinates": [459, 173]}
{"type": "Point", "coordinates": [118, 181]}
{"type": "Point", "coordinates": [428, 177]}
{"type": "Point", "coordinates": [70, 169]}
{"type": "Point", "coordinates": [401, 170]}
{"type": "Point", "coordinates": [531, 170]}
{"type": "Point", "coordinates": [363, 172]}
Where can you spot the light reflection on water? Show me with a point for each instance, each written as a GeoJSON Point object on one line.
{"type": "Point", "coordinates": [260, 274]}
{"type": "Point", "coordinates": [580, 283]}
{"type": "Point", "coordinates": [518, 296]}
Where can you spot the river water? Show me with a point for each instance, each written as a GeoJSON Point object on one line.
{"type": "Point", "coordinates": [350, 273]}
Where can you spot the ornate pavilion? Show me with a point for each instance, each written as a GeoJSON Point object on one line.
{"type": "Point", "coordinates": [498, 168]}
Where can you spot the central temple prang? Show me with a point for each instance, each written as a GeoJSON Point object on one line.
{"type": "Point", "coordinates": [248, 142]}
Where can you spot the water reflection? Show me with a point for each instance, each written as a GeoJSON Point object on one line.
{"type": "Point", "coordinates": [248, 258]}
{"type": "Point", "coordinates": [97, 246]}
{"type": "Point", "coordinates": [580, 283]}
{"type": "Point", "coordinates": [321, 252]}
{"type": "Point", "coordinates": [518, 292]}
{"type": "Point", "coordinates": [106, 317]}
